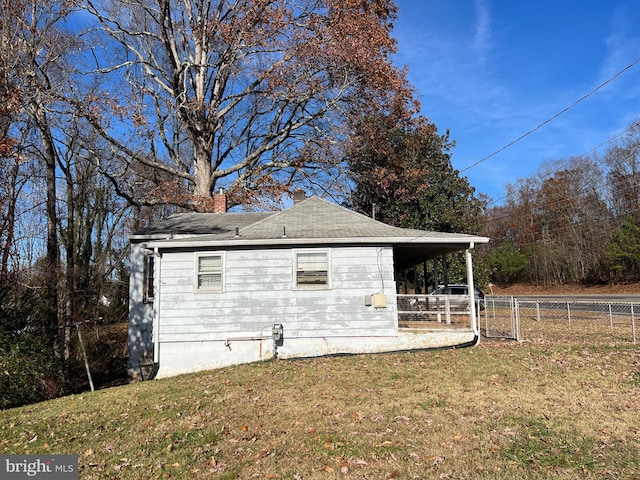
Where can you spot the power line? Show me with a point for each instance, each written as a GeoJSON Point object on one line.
{"type": "Point", "coordinates": [553, 117]}
{"type": "Point", "coordinates": [568, 162]}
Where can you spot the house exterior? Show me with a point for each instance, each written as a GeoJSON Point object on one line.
{"type": "Point", "coordinates": [209, 290]}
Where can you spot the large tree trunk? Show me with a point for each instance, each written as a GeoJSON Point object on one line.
{"type": "Point", "coordinates": [203, 182]}
{"type": "Point", "coordinates": [70, 273]}
{"type": "Point", "coordinates": [10, 218]}
{"type": "Point", "coordinates": [52, 254]}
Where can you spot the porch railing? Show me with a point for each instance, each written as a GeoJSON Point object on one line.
{"type": "Point", "coordinates": [415, 311]}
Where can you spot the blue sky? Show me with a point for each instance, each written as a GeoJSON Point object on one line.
{"type": "Point", "coordinates": [492, 70]}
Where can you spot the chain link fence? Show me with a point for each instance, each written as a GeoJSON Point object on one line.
{"type": "Point", "coordinates": [552, 320]}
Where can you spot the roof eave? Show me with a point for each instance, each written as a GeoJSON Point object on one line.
{"type": "Point", "coordinates": [167, 244]}
{"type": "Point", "coordinates": [137, 238]}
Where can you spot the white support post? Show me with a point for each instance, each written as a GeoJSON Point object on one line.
{"type": "Point", "coordinates": [447, 310]}
{"type": "Point", "coordinates": [472, 292]}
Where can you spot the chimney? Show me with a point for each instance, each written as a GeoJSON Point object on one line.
{"type": "Point", "coordinates": [298, 196]}
{"type": "Point", "coordinates": [220, 202]}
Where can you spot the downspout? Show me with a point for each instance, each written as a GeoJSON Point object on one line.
{"type": "Point", "coordinates": [472, 293]}
{"type": "Point", "coordinates": [156, 313]}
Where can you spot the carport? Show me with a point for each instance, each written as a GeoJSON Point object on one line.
{"type": "Point", "coordinates": [417, 309]}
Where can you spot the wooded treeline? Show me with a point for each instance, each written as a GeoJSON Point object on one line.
{"type": "Point", "coordinates": [575, 221]}
{"type": "Point", "coordinates": [115, 112]}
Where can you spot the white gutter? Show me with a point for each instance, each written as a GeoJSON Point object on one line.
{"type": "Point", "coordinates": [201, 242]}
{"type": "Point", "coordinates": [156, 306]}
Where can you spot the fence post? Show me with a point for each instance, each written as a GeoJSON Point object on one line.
{"type": "Point", "coordinates": [486, 317]}
{"type": "Point", "coordinates": [517, 324]}
{"type": "Point", "coordinates": [538, 311]}
{"type": "Point", "coordinates": [610, 318]}
{"type": "Point", "coordinates": [633, 324]}
{"type": "Point", "coordinates": [512, 308]}
{"type": "Point", "coordinates": [569, 312]}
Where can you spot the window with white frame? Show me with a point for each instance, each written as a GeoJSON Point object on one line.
{"type": "Point", "coordinates": [149, 277]}
{"type": "Point", "coordinates": [311, 269]}
{"type": "Point", "coordinates": [209, 272]}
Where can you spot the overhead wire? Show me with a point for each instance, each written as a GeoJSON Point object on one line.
{"type": "Point", "coordinates": [570, 160]}
{"type": "Point", "coordinates": [573, 209]}
{"type": "Point", "coordinates": [538, 127]}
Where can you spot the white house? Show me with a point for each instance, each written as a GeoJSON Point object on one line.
{"type": "Point", "coordinates": [214, 289]}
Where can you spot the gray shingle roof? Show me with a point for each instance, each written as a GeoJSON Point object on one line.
{"type": "Point", "coordinates": [312, 220]}
{"type": "Point", "coordinates": [201, 224]}
{"type": "Point", "coordinates": [317, 218]}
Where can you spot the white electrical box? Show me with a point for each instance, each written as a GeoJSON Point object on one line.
{"type": "Point", "coordinates": [379, 300]}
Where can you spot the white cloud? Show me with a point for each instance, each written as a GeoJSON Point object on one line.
{"type": "Point", "coordinates": [482, 40]}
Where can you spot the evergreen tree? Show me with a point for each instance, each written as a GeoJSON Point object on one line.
{"type": "Point", "coordinates": [401, 169]}
{"type": "Point", "coordinates": [624, 251]}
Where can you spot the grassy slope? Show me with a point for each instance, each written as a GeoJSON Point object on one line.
{"type": "Point", "coordinates": [500, 410]}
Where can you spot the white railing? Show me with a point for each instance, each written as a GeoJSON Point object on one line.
{"type": "Point", "coordinates": [423, 310]}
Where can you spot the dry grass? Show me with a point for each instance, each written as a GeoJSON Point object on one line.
{"type": "Point", "coordinates": [542, 409]}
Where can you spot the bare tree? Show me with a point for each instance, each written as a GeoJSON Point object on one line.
{"type": "Point", "coordinates": [623, 162]}
{"type": "Point", "coordinates": [11, 72]}
{"type": "Point", "coordinates": [558, 220]}
{"type": "Point", "coordinates": [249, 95]}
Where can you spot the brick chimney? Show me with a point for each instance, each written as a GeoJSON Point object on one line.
{"type": "Point", "coordinates": [220, 202]}
{"type": "Point", "coordinates": [298, 196]}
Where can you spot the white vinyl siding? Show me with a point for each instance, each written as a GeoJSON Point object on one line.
{"type": "Point", "coordinates": [209, 272]}
{"type": "Point", "coordinates": [311, 269]}
{"type": "Point", "coordinates": [259, 291]}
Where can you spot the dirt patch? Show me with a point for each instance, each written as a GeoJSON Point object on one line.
{"type": "Point", "coordinates": [563, 289]}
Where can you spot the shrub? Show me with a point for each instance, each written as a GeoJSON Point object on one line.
{"type": "Point", "coordinates": [28, 372]}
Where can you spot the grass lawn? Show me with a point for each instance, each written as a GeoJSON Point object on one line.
{"type": "Point", "coordinates": [540, 409]}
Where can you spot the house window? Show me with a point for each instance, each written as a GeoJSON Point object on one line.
{"type": "Point", "coordinates": [312, 269]}
{"type": "Point", "coordinates": [209, 272]}
{"type": "Point", "coordinates": [149, 277]}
